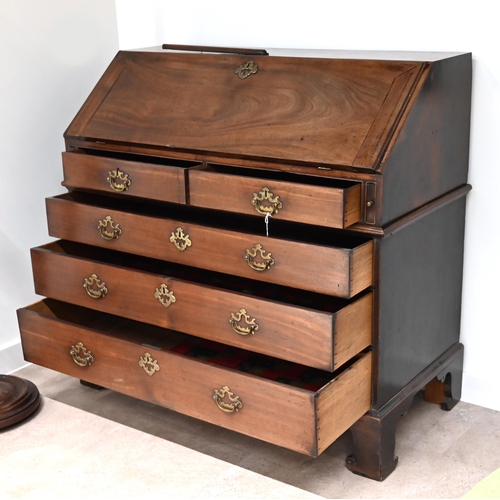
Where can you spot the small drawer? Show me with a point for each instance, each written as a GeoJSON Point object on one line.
{"type": "Point", "coordinates": [306, 328]}
{"type": "Point", "coordinates": [308, 199]}
{"type": "Point", "coordinates": [345, 267]}
{"type": "Point", "coordinates": [286, 404]}
{"type": "Point", "coordinates": [164, 181]}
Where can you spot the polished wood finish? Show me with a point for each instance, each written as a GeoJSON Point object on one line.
{"type": "Point", "coordinates": [157, 182]}
{"type": "Point", "coordinates": [322, 205]}
{"type": "Point", "coordinates": [321, 338]}
{"type": "Point", "coordinates": [374, 435]}
{"type": "Point", "coordinates": [341, 400]}
{"type": "Point", "coordinates": [429, 156]}
{"type": "Point", "coordinates": [350, 104]}
{"type": "Point", "coordinates": [368, 153]}
{"type": "Point", "coordinates": [19, 399]}
{"type": "Point", "coordinates": [222, 50]}
{"type": "Point", "coordinates": [186, 385]}
{"type": "Point", "coordinates": [345, 271]}
{"type": "Point", "coordinates": [419, 293]}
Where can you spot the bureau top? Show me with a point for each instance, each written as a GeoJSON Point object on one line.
{"type": "Point", "coordinates": [304, 107]}
{"type": "Point", "coordinates": [381, 55]}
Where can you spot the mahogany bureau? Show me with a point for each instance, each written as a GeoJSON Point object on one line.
{"type": "Point", "coordinates": [271, 242]}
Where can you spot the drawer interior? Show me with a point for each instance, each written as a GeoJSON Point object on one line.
{"type": "Point", "coordinates": [134, 157]}
{"type": "Point", "coordinates": [276, 175]}
{"type": "Point", "coordinates": [262, 290]}
{"type": "Point", "coordinates": [306, 199]}
{"type": "Point", "coordinates": [161, 339]}
{"type": "Point", "coordinates": [229, 221]}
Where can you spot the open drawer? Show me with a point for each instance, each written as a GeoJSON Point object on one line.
{"type": "Point", "coordinates": [312, 200]}
{"type": "Point", "coordinates": [286, 404]}
{"type": "Point", "coordinates": [310, 329]}
{"type": "Point", "coordinates": [126, 175]}
{"type": "Point", "coordinates": [344, 262]}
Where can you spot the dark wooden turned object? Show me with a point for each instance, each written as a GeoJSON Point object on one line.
{"type": "Point", "coordinates": [19, 399]}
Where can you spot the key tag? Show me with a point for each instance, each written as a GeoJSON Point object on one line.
{"type": "Point", "coordinates": [266, 220]}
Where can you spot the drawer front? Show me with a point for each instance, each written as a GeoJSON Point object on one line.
{"type": "Point", "coordinates": [311, 337]}
{"type": "Point", "coordinates": [281, 414]}
{"type": "Point", "coordinates": [344, 272]}
{"type": "Point", "coordinates": [336, 207]}
{"type": "Point", "coordinates": [128, 178]}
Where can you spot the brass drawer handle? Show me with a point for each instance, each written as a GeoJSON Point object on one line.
{"type": "Point", "coordinates": [165, 296]}
{"type": "Point", "coordinates": [235, 403]}
{"type": "Point", "coordinates": [95, 287]}
{"type": "Point", "coordinates": [149, 364]}
{"type": "Point", "coordinates": [272, 205]}
{"type": "Point", "coordinates": [180, 239]}
{"type": "Point", "coordinates": [262, 265]}
{"type": "Point", "coordinates": [118, 180]}
{"type": "Point", "coordinates": [81, 356]}
{"type": "Point", "coordinates": [114, 231]}
{"type": "Point", "coordinates": [243, 330]}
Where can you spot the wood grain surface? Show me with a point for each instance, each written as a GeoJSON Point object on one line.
{"type": "Point", "coordinates": [298, 334]}
{"type": "Point", "coordinates": [156, 182]}
{"type": "Point", "coordinates": [344, 271]}
{"type": "Point", "coordinates": [330, 206]}
{"type": "Point", "coordinates": [186, 385]}
{"type": "Point", "coordinates": [316, 110]}
{"type": "Point", "coordinates": [346, 397]}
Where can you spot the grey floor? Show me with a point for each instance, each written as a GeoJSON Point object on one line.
{"type": "Point", "coordinates": [441, 454]}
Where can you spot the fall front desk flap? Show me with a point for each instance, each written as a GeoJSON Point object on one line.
{"type": "Point", "coordinates": [308, 109]}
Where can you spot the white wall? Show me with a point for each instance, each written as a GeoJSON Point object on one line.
{"type": "Point", "coordinates": [385, 25]}
{"type": "Point", "coordinates": [51, 54]}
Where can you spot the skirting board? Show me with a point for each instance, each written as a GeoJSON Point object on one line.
{"type": "Point", "coordinates": [11, 358]}
{"type": "Point", "coordinates": [481, 391]}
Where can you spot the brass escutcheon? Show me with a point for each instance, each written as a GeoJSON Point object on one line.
{"type": "Point", "coordinates": [164, 295]}
{"type": "Point", "coordinates": [235, 403]}
{"type": "Point", "coordinates": [95, 287]}
{"type": "Point", "coordinates": [247, 69]}
{"type": "Point", "coordinates": [81, 356]}
{"type": "Point", "coordinates": [243, 330]}
{"type": "Point", "coordinates": [180, 239]}
{"type": "Point", "coordinates": [149, 364]}
{"type": "Point", "coordinates": [118, 180]}
{"type": "Point", "coordinates": [114, 231]}
{"type": "Point", "coordinates": [272, 205]}
{"type": "Point", "coordinates": [266, 262]}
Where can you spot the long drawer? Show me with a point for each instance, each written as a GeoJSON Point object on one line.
{"type": "Point", "coordinates": [311, 329]}
{"type": "Point", "coordinates": [343, 269]}
{"type": "Point", "coordinates": [163, 181]}
{"type": "Point", "coordinates": [278, 402]}
{"type": "Point", "coordinates": [308, 199]}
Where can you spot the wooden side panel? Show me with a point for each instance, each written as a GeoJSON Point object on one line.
{"type": "Point", "coordinates": [420, 296]}
{"type": "Point", "coordinates": [352, 205]}
{"type": "Point", "coordinates": [361, 271]}
{"type": "Point", "coordinates": [157, 182]}
{"type": "Point", "coordinates": [323, 206]}
{"type": "Point", "coordinates": [430, 152]}
{"type": "Point", "coordinates": [353, 330]}
{"type": "Point", "coordinates": [343, 401]}
{"type": "Point", "coordinates": [277, 413]}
